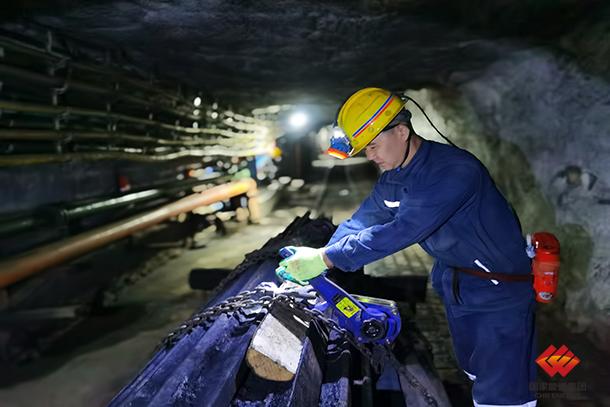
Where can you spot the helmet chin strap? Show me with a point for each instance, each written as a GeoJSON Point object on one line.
{"type": "Point", "coordinates": [408, 150]}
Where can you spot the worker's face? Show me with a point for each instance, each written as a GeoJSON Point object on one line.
{"type": "Point", "coordinates": [387, 150]}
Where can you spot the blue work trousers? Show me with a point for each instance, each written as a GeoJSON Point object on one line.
{"type": "Point", "coordinates": [495, 345]}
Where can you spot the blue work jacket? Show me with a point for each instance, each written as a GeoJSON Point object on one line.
{"type": "Point", "coordinates": [446, 201]}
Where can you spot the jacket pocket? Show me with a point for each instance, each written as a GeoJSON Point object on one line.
{"type": "Point", "coordinates": [450, 282]}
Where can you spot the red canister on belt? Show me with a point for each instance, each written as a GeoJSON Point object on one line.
{"type": "Point", "coordinates": [545, 265]}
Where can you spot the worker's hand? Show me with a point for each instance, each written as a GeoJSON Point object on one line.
{"type": "Point", "coordinates": [284, 276]}
{"type": "Point", "coordinates": [306, 263]}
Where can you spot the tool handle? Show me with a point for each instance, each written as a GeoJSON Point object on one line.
{"type": "Point", "coordinates": [287, 251]}
{"type": "Point", "coordinates": [281, 272]}
{"type": "Point", "coordinates": [329, 290]}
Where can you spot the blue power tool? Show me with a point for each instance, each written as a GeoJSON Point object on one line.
{"type": "Point", "coordinates": [370, 320]}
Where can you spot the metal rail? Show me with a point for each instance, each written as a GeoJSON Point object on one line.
{"type": "Point", "coordinates": [29, 126]}
{"type": "Point", "coordinates": [59, 58]}
{"type": "Point", "coordinates": [69, 135]}
{"type": "Point", "coordinates": [32, 159]}
{"type": "Point", "coordinates": [52, 216]}
{"type": "Point", "coordinates": [57, 81]}
{"type": "Point", "coordinates": [77, 111]}
{"type": "Point", "coordinates": [37, 260]}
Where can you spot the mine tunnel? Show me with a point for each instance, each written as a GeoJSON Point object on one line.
{"type": "Point", "coordinates": [433, 177]}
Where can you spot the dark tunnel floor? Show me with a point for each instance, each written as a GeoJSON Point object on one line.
{"type": "Point", "coordinates": [91, 364]}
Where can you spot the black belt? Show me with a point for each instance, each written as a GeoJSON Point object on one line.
{"type": "Point", "coordinates": [487, 276]}
{"type": "Point", "coordinates": [497, 276]}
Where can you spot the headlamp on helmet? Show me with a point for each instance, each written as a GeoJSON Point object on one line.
{"type": "Point", "coordinates": [340, 146]}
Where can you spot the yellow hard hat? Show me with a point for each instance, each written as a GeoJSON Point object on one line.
{"type": "Point", "coordinates": [363, 116]}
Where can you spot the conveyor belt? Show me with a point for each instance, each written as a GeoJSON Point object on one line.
{"type": "Point", "coordinates": [204, 362]}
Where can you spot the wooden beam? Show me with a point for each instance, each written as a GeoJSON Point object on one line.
{"type": "Point", "coordinates": [277, 345]}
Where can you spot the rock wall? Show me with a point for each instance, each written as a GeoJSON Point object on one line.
{"type": "Point", "coordinates": [542, 127]}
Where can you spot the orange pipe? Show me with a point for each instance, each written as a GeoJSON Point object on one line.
{"type": "Point", "coordinates": [19, 267]}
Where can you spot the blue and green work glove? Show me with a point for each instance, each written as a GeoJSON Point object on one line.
{"type": "Point", "coordinates": [306, 263]}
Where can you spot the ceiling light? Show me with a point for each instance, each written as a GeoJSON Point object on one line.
{"type": "Point", "coordinates": [197, 101]}
{"type": "Point", "coordinates": [298, 119]}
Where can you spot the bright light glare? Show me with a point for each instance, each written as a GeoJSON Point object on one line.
{"type": "Point", "coordinates": [298, 120]}
{"type": "Point", "coordinates": [337, 132]}
{"type": "Point", "coordinates": [197, 101]}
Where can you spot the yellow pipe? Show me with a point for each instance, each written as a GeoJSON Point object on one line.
{"type": "Point", "coordinates": [24, 265]}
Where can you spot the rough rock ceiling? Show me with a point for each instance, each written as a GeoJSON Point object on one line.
{"type": "Point", "coordinates": [268, 51]}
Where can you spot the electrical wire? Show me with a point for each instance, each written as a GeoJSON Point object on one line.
{"type": "Point", "coordinates": [427, 118]}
